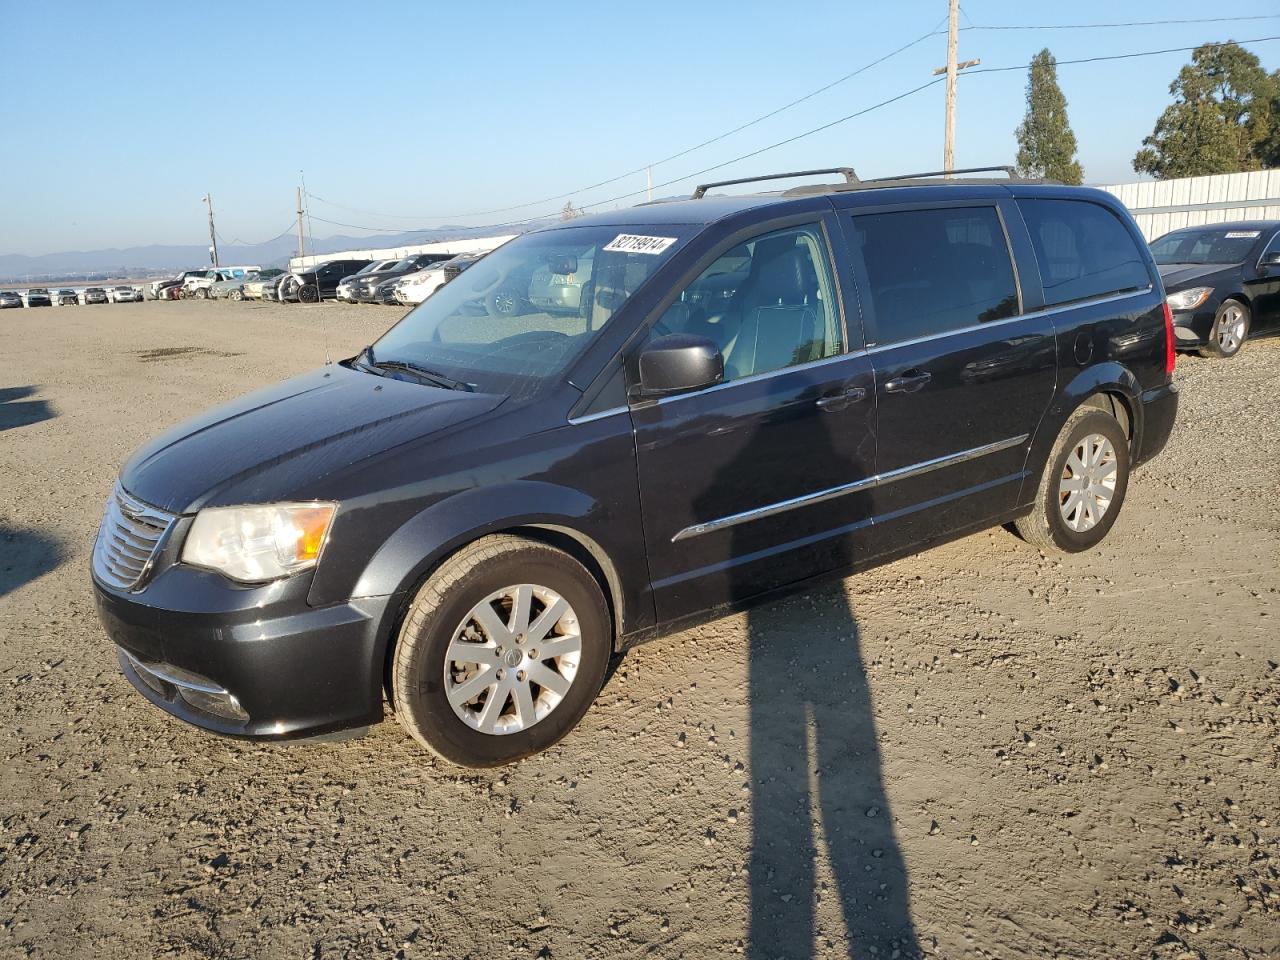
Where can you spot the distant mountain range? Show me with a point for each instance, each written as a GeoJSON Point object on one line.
{"type": "Point", "coordinates": [159, 259]}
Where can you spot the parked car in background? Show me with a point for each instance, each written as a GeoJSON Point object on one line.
{"type": "Point", "coordinates": [473, 516]}
{"type": "Point", "coordinates": [124, 294]}
{"type": "Point", "coordinates": [1222, 282]}
{"type": "Point", "coordinates": [271, 290]}
{"type": "Point", "coordinates": [362, 289]}
{"type": "Point", "coordinates": [170, 291]}
{"type": "Point", "coordinates": [66, 298]}
{"type": "Point", "coordinates": [385, 292]}
{"type": "Point", "coordinates": [181, 278]}
{"type": "Point", "coordinates": [415, 287]}
{"type": "Point", "coordinates": [233, 289]}
{"type": "Point", "coordinates": [38, 297]}
{"type": "Point", "coordinates": [321, 281]}
{"type": "Point", "coordinates": [343, 291]}
{"type": "Point", "coordinates": [252, 289]}
{"type": "Point", "coordinates": [10, 299]}
{"type": "Point", "coordinates": [95, 295]}
{"type": "Point", "coordinates": [198, 287]}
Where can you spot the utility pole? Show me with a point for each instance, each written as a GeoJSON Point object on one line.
{"type": "Point", "coordinates": [951, 69]}
{"type": "Point", "coordinates": [213, 235]}
{"type": "Point", "coordinates": [301, 246]}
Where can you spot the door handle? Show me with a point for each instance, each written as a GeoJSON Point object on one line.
{"type": "Point", "coordinates": [908, 382]}
{"type": "Point", "coordinates": [841, 400]}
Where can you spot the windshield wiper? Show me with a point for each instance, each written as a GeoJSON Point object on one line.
{"type": "Point", "coordinates": [421, 372]}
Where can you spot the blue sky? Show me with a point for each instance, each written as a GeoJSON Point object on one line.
{"type": "Point", "coordinates": [119, 117]}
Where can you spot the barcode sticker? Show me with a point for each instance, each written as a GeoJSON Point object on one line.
{"type": "Point", "coordinates": [631, 243]}
{"type": "Point", "coordinates": [1240, 234]}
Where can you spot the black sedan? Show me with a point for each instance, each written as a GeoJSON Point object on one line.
{"type": "Point", "coordinates": [363, 288]}
{"type": "Point", "coordinates": [1222, 282]}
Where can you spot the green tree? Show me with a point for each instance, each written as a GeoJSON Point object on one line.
{"type": "Point", "coordinates": [1046, 144]}
{"type": "Point", "coordinates": [1222, 120]}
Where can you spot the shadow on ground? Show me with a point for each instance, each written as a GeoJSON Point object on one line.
{"type": "Point", "coordinates": [26, 555]}
{"type": "Point", "coordinates": [17, 411]}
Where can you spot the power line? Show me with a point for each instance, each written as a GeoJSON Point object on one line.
{"type": "Point", "coordinates": [1125, 56]}
{"type": "Point", "coordinates": [639, 170]}
{"type": "Point", "coordinates": [1125, 23]}
{"type": "Point", "coordinates": [245, 243]}
{"type": "Point", "coordinates": [815, 130]}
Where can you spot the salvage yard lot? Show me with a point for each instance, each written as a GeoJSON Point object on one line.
{"type": "Point", "coordinates": [978, 751]}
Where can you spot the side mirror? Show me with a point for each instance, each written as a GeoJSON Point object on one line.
{"type": "Point", "coordinates": [676, 363]}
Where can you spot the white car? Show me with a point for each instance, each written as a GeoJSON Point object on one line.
{"type": "Point", "coordinates": [416, 287]}
{"type": "Point", "coordinates": [124, 294]}
{"type": "Point", "coordinates": [344, 288]}
{"type": "Point", "coordinates": [198, 285]}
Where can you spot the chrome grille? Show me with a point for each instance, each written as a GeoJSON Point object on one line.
{"type": "Point", "coordinates": [128, 539]}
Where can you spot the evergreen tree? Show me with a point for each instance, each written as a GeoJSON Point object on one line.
{"type": "Point", "coordinates": [1046, 145]}
{"type": "Point", "coordinates": [1223, 118]}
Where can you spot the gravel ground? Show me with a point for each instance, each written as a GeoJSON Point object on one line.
{"type": "Point", "coordinates": [977, 752]}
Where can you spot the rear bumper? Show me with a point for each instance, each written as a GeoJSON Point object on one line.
{"type": "Point", "coordinates": [191, 642]}
{"type": "Point", "coordinates": [1159, 411]}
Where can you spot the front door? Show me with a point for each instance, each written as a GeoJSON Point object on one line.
{"type": "Point", "coordinates": [962, 376]}
{"type": "Point", "coordinates": [762, 480]}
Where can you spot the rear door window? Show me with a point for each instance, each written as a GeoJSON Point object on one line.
{"type": "Point", "coordinates": [1084, 251]}
{"type": "Point", "coordinates": [929, 272]}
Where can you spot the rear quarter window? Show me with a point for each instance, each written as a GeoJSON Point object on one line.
{"type": "Point", "coordinates": [1084, 251]}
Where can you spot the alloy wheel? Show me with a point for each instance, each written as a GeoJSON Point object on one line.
{"type": "Point", "coordinates": [1088, 482]}
{"type": "Point", "coordinates": [1231, 329]}
{"type": "Point", "coordinates": [512, 659]}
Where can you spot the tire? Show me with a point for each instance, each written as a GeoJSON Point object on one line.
{"type": "Point", "coordinates": [501, 303]}
{"type": "Point", "coordinates": [308, 294]}
{"type": "Point", "coordinates": [1229, 331]}
{"type": "Point", "coordinates": [1059, 522]}
{"type": "Point", "coordinates": [202, 294]}
{"type": "Point", "coordinates": [481, 574]}
{"type": "Point", "coordinates": [236, 295]}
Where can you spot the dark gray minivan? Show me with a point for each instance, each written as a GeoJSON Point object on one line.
{"type": "Point", "coordinates": [732, 397]}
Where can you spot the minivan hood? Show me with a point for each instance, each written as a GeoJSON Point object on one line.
{"type": "Point", "coordinates": [1176, 276]}
{"type": "Point", "coordinates": [278, 442]}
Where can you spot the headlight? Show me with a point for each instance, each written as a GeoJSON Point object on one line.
{"type": "Point", "coordinates": [252, 544]}
{"type": "Point", "coordinates": [1189, 299]}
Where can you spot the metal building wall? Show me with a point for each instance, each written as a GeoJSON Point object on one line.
{"type": "Point", "coordinates": [1163, 205]}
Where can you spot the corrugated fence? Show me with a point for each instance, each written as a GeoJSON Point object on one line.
{"type": "Point", "coordinates": [1163, 205]}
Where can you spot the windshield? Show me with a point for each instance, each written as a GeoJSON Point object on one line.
{"type": "Point", "coordinates": [1215, 245]}
{"type": "Point", "coordinates": [516, 319]}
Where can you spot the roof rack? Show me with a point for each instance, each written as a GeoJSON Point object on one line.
{"type": "Point", "coordinates": [849, 177]}
{"type": "Point", "coordinates": [1007, 170]}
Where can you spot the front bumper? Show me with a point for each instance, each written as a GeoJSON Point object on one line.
{"type": "Point", "coordinates": [1191, 327]}
{"type": "Point", "coordinates": [292, 669]}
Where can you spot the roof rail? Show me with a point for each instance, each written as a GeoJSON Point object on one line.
{"type": "Point", "coordinates": [849, 177]}
{"type": "Point", "coordinates": [1007, 170]}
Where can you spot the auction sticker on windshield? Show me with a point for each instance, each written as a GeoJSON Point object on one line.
{"type": "Point", "coordinates": [1242, 234]}
{"type": "Point", "coordinates": [631, 243]}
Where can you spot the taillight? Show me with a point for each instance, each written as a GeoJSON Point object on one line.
{"type": "Point", "coordinates": [1170, 357]}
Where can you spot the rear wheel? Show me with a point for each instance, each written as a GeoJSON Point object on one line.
{"type": "Point", "coordinates": [202, 293]}
{"type": "Point", "coordinates": [1229, 330]}
{"type": "Point", "coordinates": [502, 652]}
{"type": "Point", "coordinates": [1083, 484]}
{"type": "Point", "coordinates": [237, 294]}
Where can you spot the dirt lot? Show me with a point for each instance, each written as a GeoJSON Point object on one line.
{"type": "Point", "coordinates": [977, 752]}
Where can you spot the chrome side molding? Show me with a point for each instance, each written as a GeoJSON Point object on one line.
{"type": "Point", "coordinates": [867, 483]}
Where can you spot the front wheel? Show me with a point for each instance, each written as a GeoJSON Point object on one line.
{"type": "Point", "coordinates": [501, 653]}
{"type": "Point", "coordinates": [308, 293]}
{"type": "Point", "coordinates": [202, 294]}
{"type": "Point", "coordinates": [1230, 327]}
{"type": "Point", "coordinates": [1083, 484]}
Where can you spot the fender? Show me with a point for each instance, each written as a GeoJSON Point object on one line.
{"type": "Point", "coordinates": [1106, 377]}
{"type": "Point", "coordinates": [441, 529]}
